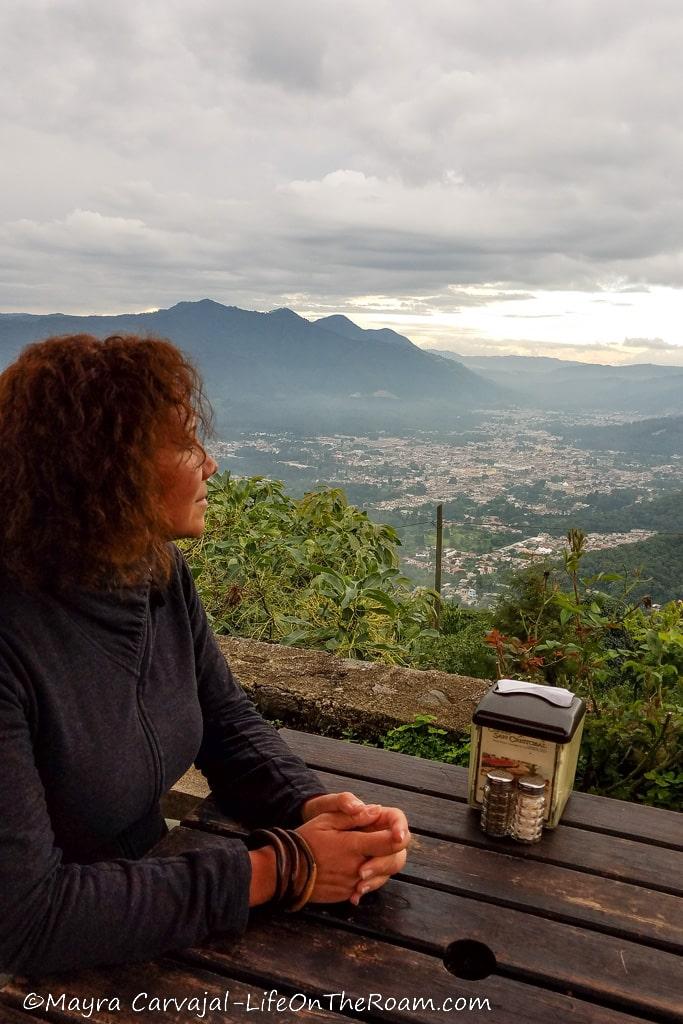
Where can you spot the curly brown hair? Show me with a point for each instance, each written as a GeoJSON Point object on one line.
{"type": "Point", "coordinates": [81, 422]}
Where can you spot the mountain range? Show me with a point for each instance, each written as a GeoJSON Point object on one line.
{"type": "Point", "coordinates": [278, 370]}
{"type": "Point", "coordinates": [546, 383]}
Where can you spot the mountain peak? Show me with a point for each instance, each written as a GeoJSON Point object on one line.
{"type": "Point", "coordinates": [346, 328]}
{"type": "Point", "coordinates": [340, 320]}
{"type": "Point", "coordinates": [200, 304]}
{"type": "Point", "coordinates": [340, 324]}
{"type": "Point", "coordinates": [284, 313]}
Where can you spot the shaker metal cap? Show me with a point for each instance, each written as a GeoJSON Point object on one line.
{"type": "Point", "coordinates": [531, 783]}
{"type": "Point", "coordinates": [499, 777]}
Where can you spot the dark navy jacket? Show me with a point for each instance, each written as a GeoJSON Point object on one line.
{"type": "Point", "coordinates": [105, 701]}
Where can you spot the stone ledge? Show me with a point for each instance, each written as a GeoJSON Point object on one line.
{"type": "Point", "coordinates": [329, 694]}
{"type": "Point", "coordinates": [318, 692]}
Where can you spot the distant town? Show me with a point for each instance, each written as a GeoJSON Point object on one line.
{"type": "Point", "coordinates": [501, 482]}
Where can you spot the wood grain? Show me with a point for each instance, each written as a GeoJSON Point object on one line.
{"type": "Point", "coordinates": [601, 967]}
{"type": "Point", "coordinates": [559, 893]}
{"type": "Point", "coordinates": [302, 955]}
{"type": "Point", "coordinates": [10, 1015]}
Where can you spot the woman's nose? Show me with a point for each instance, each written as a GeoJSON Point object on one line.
{"type": "Point", "coordinates": [209, 467]}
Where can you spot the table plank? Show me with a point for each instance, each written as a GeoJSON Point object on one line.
{"type": "Point", "coordinates": [332, 960]}
{"type": "Point", "coordinates": [10, 1015]}
{"type": "Point", "coordinates": [596, 813]}
{"type": "Point", "coordinates": [609, 856]}
{"type": "Point", "coordinates": [544, 890]}
{"type": "Point", "coordinates": [235, 1003]}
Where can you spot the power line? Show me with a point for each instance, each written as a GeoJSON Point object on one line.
{"type": "Point", "coordinates": [416, 522]}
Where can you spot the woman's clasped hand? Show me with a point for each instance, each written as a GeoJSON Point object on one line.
{"type": "Point", "coordinates": [357, 846]}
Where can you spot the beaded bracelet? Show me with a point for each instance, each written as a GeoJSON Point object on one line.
{"type": "Point", "coordinates": [291, 849]}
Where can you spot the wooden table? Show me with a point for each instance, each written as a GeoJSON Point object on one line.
{"type": "Point", "coordinates": [585, 926]}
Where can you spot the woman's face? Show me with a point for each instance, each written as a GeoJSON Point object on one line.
{"type": "Point", "coordinates": [184, 474]}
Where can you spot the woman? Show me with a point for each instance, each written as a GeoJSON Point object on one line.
{"type": "Point", "coordinates": [112, 685]}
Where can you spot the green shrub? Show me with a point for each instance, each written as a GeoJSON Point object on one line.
{"type": "Point", "coordinates": [314, 572]}
{"type": "Point", "coordinates": [632, 751]}
{"type": "Point", "coordinates": [465, 653]}
{"type": "Point", "coordinates": [422, 738]}
{"type": "Point", "coordinates": [461, 645]}
{"type": "Point", "coordinates": [624, 659]}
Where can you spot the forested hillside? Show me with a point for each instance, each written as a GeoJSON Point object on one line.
{"type": "Point", "coordinates": [662, 437]}
{"type": "Point", "coordinates": [616, 511]}
{"type": "Point", "coordinates": [658, 560]}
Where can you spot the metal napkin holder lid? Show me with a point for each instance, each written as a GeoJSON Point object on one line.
{"type": "Point", "coordinates": [548, 712]}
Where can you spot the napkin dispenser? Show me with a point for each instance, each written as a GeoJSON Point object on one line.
{"type": "Point", "coordinates": [527, 729]}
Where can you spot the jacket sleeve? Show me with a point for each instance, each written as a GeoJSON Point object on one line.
{"type": "Point", "coordinates": [56, 916]}
{"type": "Point", "coordinates": [252, 772]}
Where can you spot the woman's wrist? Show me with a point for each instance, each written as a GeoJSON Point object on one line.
{"type": "Point", "coordinates": [284, 871]}
{"type": "Point", "coordinates": [263, 875]}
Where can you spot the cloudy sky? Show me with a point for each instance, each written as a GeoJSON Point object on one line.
{"type": "Point", "coordinates": [483, 175]}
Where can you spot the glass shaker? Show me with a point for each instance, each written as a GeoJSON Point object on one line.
{"type": "Point", "coordinates": [498, 802]}
{"type": "Point", "coordinates": [527, 823]}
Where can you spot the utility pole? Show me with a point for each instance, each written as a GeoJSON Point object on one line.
{"type": "Point", "coordinates": [439, 548]}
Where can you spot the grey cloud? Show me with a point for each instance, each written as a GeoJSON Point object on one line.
{"type": "Point", "coordinates": [255, 151]}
